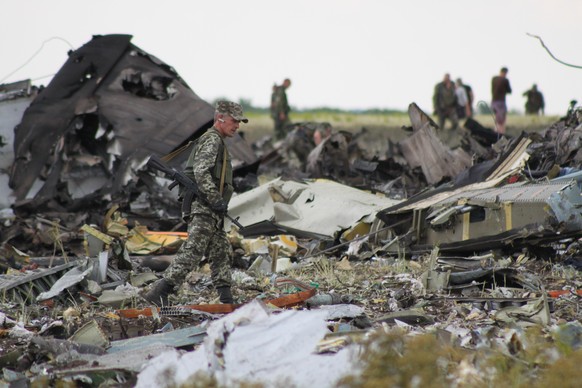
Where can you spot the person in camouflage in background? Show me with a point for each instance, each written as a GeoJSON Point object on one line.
{"type": "Point", "coordinates": [280, 108]}
{"type": "Point", "coordinates": [535, 101]}
{"type": "Point", "coordinates": [209, 165]}
{"type": "Point", "coordinates": [445, 102]}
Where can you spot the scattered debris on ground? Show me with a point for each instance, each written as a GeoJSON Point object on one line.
{"type": "Point", "coordinates": [429, 265]}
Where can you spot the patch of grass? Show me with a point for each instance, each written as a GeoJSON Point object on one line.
{"type": "Point", "coordinates": [382, 125]}
{"type": "Point", "coordinates": [565, 372]}
{"type": "Point", "coordinates": [324, 271]}
{"type": "Point", "coordinates": [392, 358]}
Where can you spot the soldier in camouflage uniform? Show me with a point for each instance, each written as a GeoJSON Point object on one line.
{"type": "Point", "coordinates": [209, 165]}
{"type": "Point", "coordinates": [445, 102]}
{"type": "Point", "coordinates": [280, 108]}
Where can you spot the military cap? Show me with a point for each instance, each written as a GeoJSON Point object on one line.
{"type": "Point", "coordinates": [232, 109]}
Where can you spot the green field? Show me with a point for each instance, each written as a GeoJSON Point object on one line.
{"type": "Point", "coordinates": [383, 126]}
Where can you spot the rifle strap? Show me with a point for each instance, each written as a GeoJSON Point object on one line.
{"type": "Point", "coordinates": [173, 154]}
{"type": "Point", "coordinates": [223, 171]}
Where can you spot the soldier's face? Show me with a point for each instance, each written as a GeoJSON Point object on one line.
{"type": "Point", "coordinates": [229, 126]}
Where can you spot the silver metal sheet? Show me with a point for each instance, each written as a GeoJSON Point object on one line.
{"type": "Point", "coordinates": [320, 207]}
{"type": "Point", "coordinates": [176, 338]}
{"type": "Point", "coordinates": [509, 193]}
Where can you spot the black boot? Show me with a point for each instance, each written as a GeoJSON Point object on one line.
{"type": "Point", "coordinates": [225, 295]}
{"type": "Point", "coordinates": [159, 292]}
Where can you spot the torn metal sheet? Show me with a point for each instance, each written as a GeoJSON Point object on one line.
{"type": "Point", "coordinates": [131, 360]}
{"type": "Point", "coordinates": [108, 108]}
{"type": "Point", "coordinates": [530, 314]}
{"type": "Point", "coordinates": [438, 280]}
{"type": "Point", "coordinates": [84, 99]}
{"type": "Point", "coordinates": [481, 216]}
{"type": "Point", "coordinates": [14, 100]}
{"type": "Point", "coordinates": [95, 240]}
{"type": "Point", "coordinates": [418, 118]}
{"type": "Point", "coordinates": [513, 213]}
{"type": "Point", "coordinates": [309, 207]}
{"type": "Point", "coordinates": [90, 334]}
{"type": "Point", "coordinates": [69, 279]}
{"type": "Point", "coordinates": [435, 280]}
{"type": "Point", "coordinates": [47, 283]}
{"type": "Point", "coordinates": [502, 216]}
{"type": "Point", "coordinates": [424, 149]}
{"type": "Point", "coordinates": [57, 346]}
{"type": "Point", "coordinates": [467, 263]}
{"type": "Point", "coordinates": [24, 288]}
{"type": "Point", "coordinates": [176, 338]}
{"type": "Point", "coordinates": [511, 162]}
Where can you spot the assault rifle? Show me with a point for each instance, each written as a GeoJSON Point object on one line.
{"type": "Point", "coordinates": [180, 178]}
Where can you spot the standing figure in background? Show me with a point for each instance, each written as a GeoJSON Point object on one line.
{"type": "Point", "coordinates": [535, 101]}
{"type": "Point", "coordinates": [463, 109]}
{"type": "Point", "coordinates": [500, 87]}
{"type": "Point", "coordinates": [445, 102]}
{"type": "Point", "coordinates": [280, 108]}
{"type": "Point", "coordinates": [470, 95]}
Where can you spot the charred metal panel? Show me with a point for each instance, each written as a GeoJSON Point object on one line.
{"type": "Point", "coordinates": [111, 105]}
{"type": "Point", "coordinates": [424, 149]}
{"type": "Point", "coordinates": [50, 115]}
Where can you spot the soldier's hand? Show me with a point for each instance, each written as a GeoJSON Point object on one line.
{"type": "Point", "coordinates": [220, 207]}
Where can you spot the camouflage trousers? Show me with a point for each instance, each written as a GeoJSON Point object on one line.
{"type": "Point", "coordinates": [281, 128]}
{"type": "Point", "coordinates": [206, 238]}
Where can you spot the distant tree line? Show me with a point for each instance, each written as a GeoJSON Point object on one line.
{"type": "Point", "coordinates": [249, 107]}
{"type": "Point", "coordinates": [246, 103]}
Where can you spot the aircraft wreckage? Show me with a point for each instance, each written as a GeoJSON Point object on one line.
{"type": "Point", "coordinates": [85, 138]}
{"type": "Point", "coordinates": [82, 196]}
{"type": "Point", "coordinates": [472, 215]}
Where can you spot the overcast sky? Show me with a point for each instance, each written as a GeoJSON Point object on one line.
{"type": "Point", "coordinates": [351, 54]}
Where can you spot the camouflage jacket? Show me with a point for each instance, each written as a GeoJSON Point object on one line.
{"type": "Point", "coordinates": [279, 102]}
{"type": "Point", "coordinates": [204, 166]}
{"type": "Point", "coordinates": [444, 98]}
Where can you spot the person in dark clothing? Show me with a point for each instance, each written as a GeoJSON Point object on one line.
{"type": "Point", "coordinates": [535, 101]}
{"type": "Point", "coordinates": [445, 102]}
{"type": "Point", "coordinates": [500, 87]}
{"type": "Point", "coordinates": [280, 109]}
{"type": "Point", "coordinates": [470, 96]}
